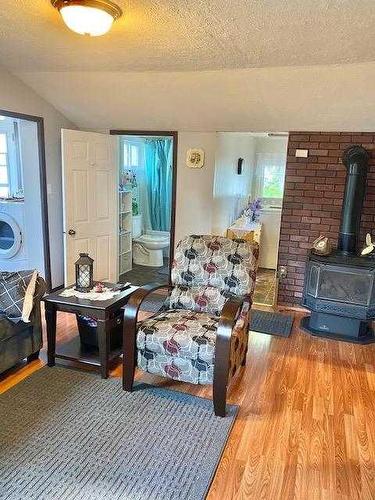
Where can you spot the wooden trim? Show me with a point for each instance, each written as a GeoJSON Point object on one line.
{"type": "Point", "coordinates": [174, 135]}
{"type": "Point", "coordinates": [44, 202]}
{"type": "Point", "coordinates": [43, 185]}
{"type": "Point", "coordinates": [148, 133]}
{"type": "Point", "coordinates": [296, 309]}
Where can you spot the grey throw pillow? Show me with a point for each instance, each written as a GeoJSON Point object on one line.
{"type": "Point", "coordinates": [13, 286]}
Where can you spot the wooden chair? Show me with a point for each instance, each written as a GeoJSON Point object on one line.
{"type": "Point", "coordinates": [200, 335]}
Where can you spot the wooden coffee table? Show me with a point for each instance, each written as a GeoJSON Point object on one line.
{"type": "Point", "coordinates": [103, 312]}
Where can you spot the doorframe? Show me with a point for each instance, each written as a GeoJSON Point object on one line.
{"type": "Point", "coordinates": [174, 135]}
{"type": "Point", "coordinates": [43, 185]}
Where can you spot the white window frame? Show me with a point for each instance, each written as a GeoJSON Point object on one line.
{"type": "Point", "coordinates": [10, 129]}
{"type": "Point", "coordinates": [129, 143]}
{"type": "Point", "coordinates": [262, 161]}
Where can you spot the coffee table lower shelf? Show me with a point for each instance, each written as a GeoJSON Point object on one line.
{"type": "Point", "coordinates": [74, 351]}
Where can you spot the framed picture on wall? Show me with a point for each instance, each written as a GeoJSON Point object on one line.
{"type": "Point", "coordinates": [195, 158]}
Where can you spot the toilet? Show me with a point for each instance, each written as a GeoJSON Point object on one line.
{"type": "Point", "coordinates": [148, 247]}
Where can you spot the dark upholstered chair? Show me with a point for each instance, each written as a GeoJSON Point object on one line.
{"type": "Point", "coordinates": [22, 340]}
{"type": "Point", "coordinates": [200, 336]}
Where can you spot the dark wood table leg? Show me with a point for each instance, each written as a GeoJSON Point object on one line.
{"type": "Point", "coordinates": [103, 344]}
{"type": "Point", "coordinates": [50, 314]}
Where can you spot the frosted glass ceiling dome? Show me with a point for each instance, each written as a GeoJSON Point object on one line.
{"type": "Point", "coordinates": [88, 17]}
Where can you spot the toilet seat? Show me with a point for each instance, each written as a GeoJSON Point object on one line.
{"type": "Point", "coordinates": [152, 241]}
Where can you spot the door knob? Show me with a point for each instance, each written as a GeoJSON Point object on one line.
{"type": "Point", "coordinates": [71, 232]}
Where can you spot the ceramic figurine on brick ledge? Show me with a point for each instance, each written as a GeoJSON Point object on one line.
{"type": "Point", "coordinates": [369, 248]}
{"type": "Point", "coordinates": [321, 246]}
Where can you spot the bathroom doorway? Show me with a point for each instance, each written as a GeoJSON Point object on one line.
{"type": "Point", "coordinates": [147, 193]}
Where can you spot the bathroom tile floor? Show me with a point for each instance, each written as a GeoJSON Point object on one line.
{"type": "Point", "coordinates": [265, 287]}
{"type": "Point", "coordinates": [141, 275]}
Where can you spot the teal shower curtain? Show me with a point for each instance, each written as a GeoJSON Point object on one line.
{"type": "Point", "coordinates": [158, 163]}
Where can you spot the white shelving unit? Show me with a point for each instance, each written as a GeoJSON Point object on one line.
{"type": "Point", "coordinates": [125, 231]}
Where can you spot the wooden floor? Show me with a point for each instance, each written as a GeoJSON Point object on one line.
{"type": "Point", "coordinates": [306, 427]}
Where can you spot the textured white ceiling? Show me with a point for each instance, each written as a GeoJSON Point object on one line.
{"type": "Point", "coordinates": [333, 97]}
{"type": "Point", "coordinates": [164, 35]}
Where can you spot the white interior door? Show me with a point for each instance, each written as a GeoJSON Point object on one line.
{"type": "Point", "coordinates": [90, 195]}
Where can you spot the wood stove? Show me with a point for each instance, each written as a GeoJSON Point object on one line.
{"type": "Point", "coordinates": [339, 289]}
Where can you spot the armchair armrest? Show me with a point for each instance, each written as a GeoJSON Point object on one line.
{"type": "Point", "coordinates": [130, 331]}
{"type": "Point", "coordinates": [228, 318]}
{"type": "Point", "coordinates": [227, 322]}
{"type": "Point", "coordinates": [229, 314]}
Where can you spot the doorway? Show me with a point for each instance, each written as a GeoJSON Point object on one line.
{"type": "Point", "coordinates": [24, 235]}
{"type": "Point", "coordinates": [100, 175]}
{"type": "Point", "coordinates": [248, 194]}
{"type": "Point", "coordinates": [147, 190]}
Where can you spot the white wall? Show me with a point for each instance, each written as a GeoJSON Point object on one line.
{"type": "Point", "coordinates": [16, 96]}
{"type": "Point", "coordinates": [270, 236]}
{"type": "Point", "coordinates": [195, 186]}
{"type": "Point", "coordinates": [231, 191]}
{"type": "Point", "coordinates": [336, 97]}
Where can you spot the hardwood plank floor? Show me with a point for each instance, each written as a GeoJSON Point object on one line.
{"type": "Point", "coordinates": [305, 429]}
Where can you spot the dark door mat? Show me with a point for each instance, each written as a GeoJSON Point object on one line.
{"type": "Point", "coordinates": [153, 303]}
{"type": "Point", "coordinates": [164, 271]}
{"type": "Point", "coordinates": [271, 323]}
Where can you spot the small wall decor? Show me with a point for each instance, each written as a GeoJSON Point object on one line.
{"type": "Point", "coordinates": [239, 166]}
{"type": "Point", "coordinates": [195, 158]}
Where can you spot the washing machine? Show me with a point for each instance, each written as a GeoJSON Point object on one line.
{"type": "Point", "coordinates": [13, 251]}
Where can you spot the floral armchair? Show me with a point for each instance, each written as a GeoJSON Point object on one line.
{"type": "Point", "coordinates": [201, 333]}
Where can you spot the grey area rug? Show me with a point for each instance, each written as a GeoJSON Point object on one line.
{"type": "Point", "coordinates": [261, 321]}
{"type": "Point", "coordinates": [67, 434]}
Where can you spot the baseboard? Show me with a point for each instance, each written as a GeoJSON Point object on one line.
{"type": "Point", "coordinates": [297, 309]}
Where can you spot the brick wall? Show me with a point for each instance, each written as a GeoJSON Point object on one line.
{"type": "Point", "coordinates": [314, 189]}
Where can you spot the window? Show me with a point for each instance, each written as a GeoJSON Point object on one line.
{"type": "Point", "coordinates": [270, 171]}
{"type": "Point", "coordinates": [130, 155]}
{"type": "Point", "coordinates": [11, 181]}
{"type": "Point", "coordinates": [4, 165]}
{"type": "Point", "coordinates": [273, 182]}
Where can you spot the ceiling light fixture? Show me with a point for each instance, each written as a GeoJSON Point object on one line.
{"type": "Point", "coordinates": [88, 17]}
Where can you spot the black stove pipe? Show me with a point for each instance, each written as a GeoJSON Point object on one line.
{"type": "Point", "coordinates": [355, 159]}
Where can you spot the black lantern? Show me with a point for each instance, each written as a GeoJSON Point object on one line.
{"type": "Point", "coordinates": [84, 273]}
